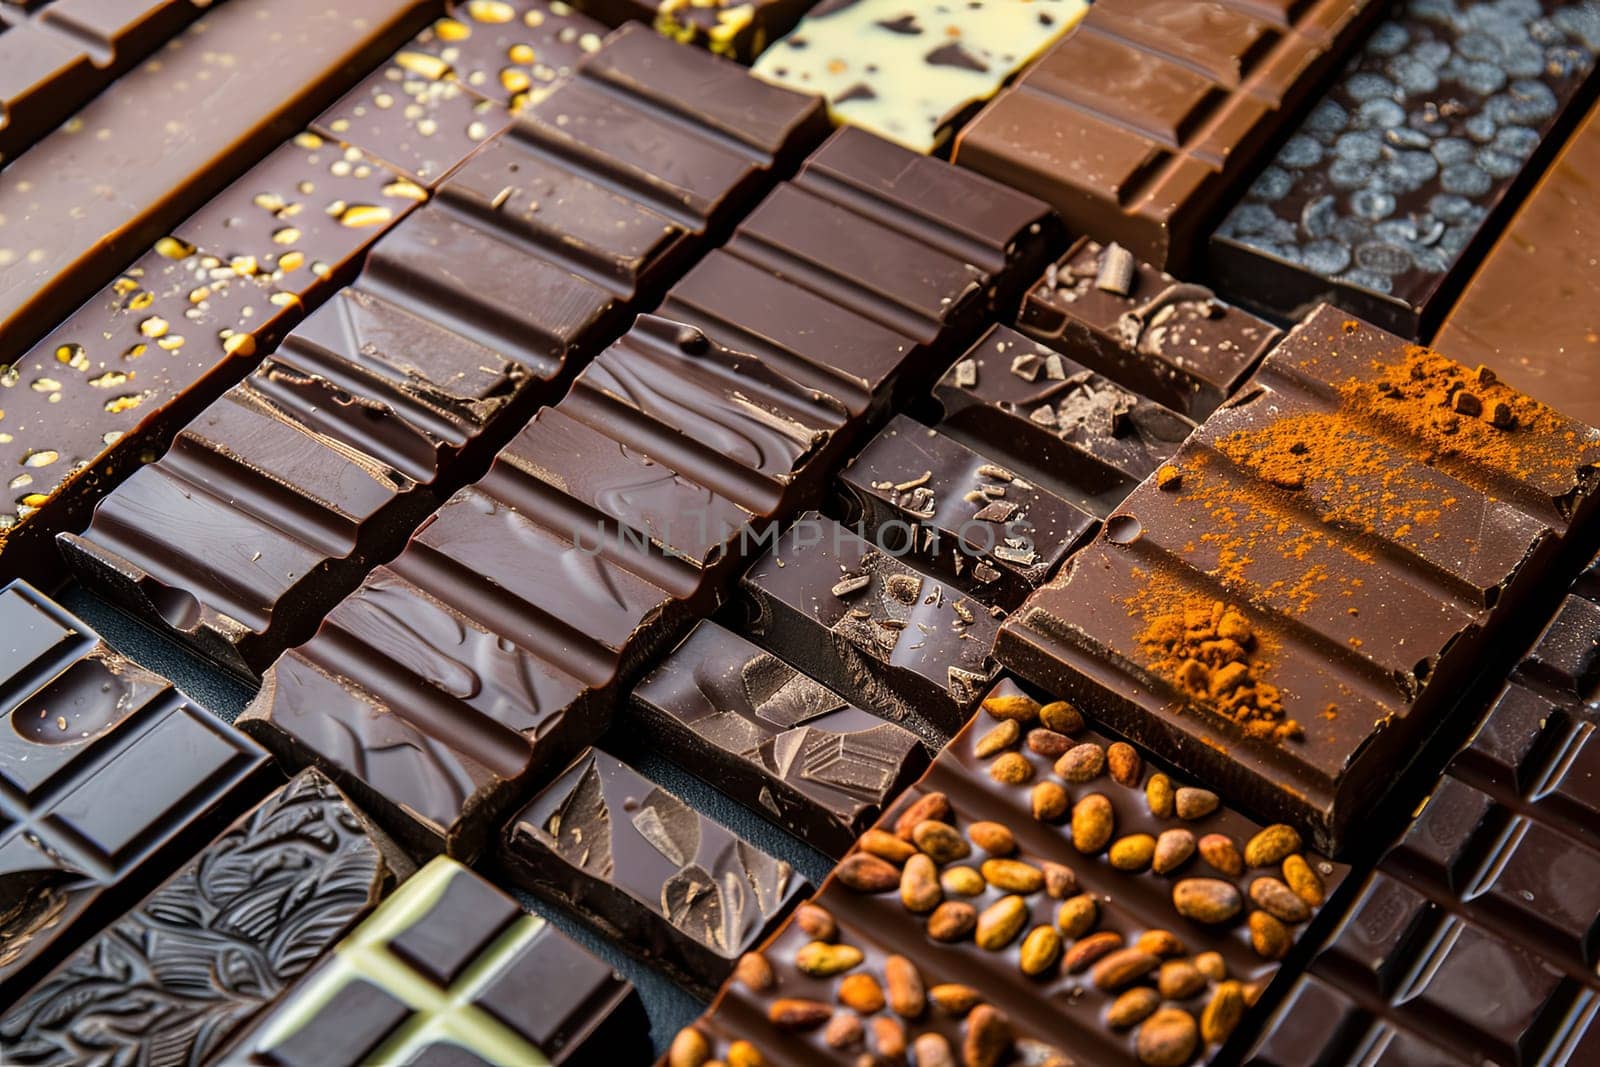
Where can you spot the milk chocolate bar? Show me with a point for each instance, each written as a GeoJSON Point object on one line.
{"type": "Point", "coordinates": [1287, 608]}
{"type": "Point", "coordinates": [664, 881]}
{"type": "Point", "coordinates": [1381, 198]}
{"type": "Point", "coordinates": [1173, 341]}
{"type": "Point", "coordinates": [1142, 126]}
{"type": "Point", "coordinates": [766, 734]}
{"type": "Point", "coordinates": [959, 514]}
{"type": "Point", "coordinates": [449, 970]}
{"type": "Point", "coordinates": [512, 51]}
{"type": "Point", "coordinates": [168, 980]}
{"type": "Point", "coordinates": [108, 776]}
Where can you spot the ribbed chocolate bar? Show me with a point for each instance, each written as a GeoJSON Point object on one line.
{"type": "Point", "coordinates": [277, 888]}
{"type": "Point", "coordinates": [661, 879]}
{"type": "Point", "coordinates": [108, 776]}
{"type": "Point", "coordinates": [773, 738]}
{"type": "Point", "coordinates": [1381, 198]}
{"type": "Point", "coordinates": [862, 621]}
{"type": "Point", "coordinates": [1140, 126]}
{"type": "Point", "coordinates": [1290, 608]}
{"type": "Point", "coordinates": [450, 971]}
{"type": "Point", "coordinates": [513, 51]}
{"type": "Point", "coordinates": [174, 131]}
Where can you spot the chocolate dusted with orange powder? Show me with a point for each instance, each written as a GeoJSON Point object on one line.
{"type": "Point", "coordinates": [1290, 606]}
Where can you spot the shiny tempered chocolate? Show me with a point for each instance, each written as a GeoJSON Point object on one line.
{"type": "Point", "coordinates": [107, 776]}
{"type": "Point", "coordinates": [1141, 125]}
{"type": "Point", "coordinates": [1287, 611]}
{"type": "Point", "coordinates": [449, 970]}
{"type": "Point", "coordinates": [1172, 341]}
{"type": "Point", "coordinates": [959, 514]}
{"type": "Point", "coordinates": [775, 739]}
{"type": "Point", "coordinates": [513, 51]}
{"type": "Point", "coordinates": [304, 857]}
{"type": "Point", "coordinates": [664, 881]}
{"type": "Point", "coordinates": [1532, 310]}
{"type": "Point", "coordinates": [1075, 432]}
{"type": "Point", "coordinates": [1379, 199]}
{"type": "Point", "coordinates": [913, 72]}
{"type": "Point", "coordinates": [174, 131]}
{"type": "Point", "coordinates": [870, 626]}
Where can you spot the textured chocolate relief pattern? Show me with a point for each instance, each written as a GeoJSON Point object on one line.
{"type": "Point", "coordinates": [1380, 192]}
{"type": "Point", "coordinates": [1288, 606]}
{"type": "Point", "coordinates": [172, 979]}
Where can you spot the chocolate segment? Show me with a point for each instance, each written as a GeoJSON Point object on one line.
{"type": "Point", "coordinates": [962, 516]}
{"type": "Point", "coordinates": [1141, 126]}
{"type": "Point", "coordinates": [870, 626]}
{"type": "Point", "coordinates": [304, 859]}
{"type": "Point", "coordinates": [1289, 611]}
{"type": "Point", "coordinates": [450, 970]}
{"type": "Point", "coordinates": [513, 51]}
{"type": "Point", "coordinates": [1173, 341]}
{"type": "Point", "coordinates": [663, 880]}
{"type": "Point", "coordinates": [1379, 199]}
{"type": "Point", "coordinates": [1059, 424]}
{"type": "Point", "coordinates": [107, 776]}
{"type": "Point", "coordinates": [739, 30]}
{"type": "Point", "coordinates": [775, 739]}
{"type": "Point", "coordinates": [913, 73]}
{"type": "Point", "coordinates": [175, 131]}
{"type": "Point", "coordinates": [1530, 312]}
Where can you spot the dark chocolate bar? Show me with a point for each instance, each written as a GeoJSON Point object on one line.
{"type": "Point", "coordinates": [859, 619]}
{"type": "Point", "coordinates": [1380, 199]}
{"type": "Point", "coordinates": [177, 975]}
{"type": "Point", "coordinates": [910, 72]}
{"type": "Point", "coordinates": [769, 736]}
{"type": "Point", "coordinates": [962, 516]}
{"type": "Point", "coordinates": [1141, 126]}
{"type": "Point", "coordinates": [1290, 606]}
{"type": "Point", "coordinates": [174, 132]}
{"type": "Point", "coordinates": [1084, 896]}
{"type": "Point", "coordinates": [110, 386]}
{"type": "Point", "coordinates": [108, 776]}
{"type": "Point", "coordinates": [664, 881]}
{"type": "Point", "coordinates": [1075, 432]}
{"type": "Point", "coordinates": [1173, 341]}
{"type": "Point", "coordinates": [513, 51]}
{"type": "Point", "coordinates": [738, 29]}
{"type": "Point", "coordinates": [450, 971]}
{"type": "Point", "coordinates": [278, 498]}
{"type": "Point", "coordinates": [1532, 310]}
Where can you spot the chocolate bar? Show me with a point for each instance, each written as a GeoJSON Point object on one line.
{"type": "Point", "coordinates": [1381, 197]}
{"type": "Point", "coordinates": [960, 515]}
{"type": "Point", "coordinates": [1050, 889]}
{"type": "Point", "coordinates": [1173, 341]}
{"type": "Point", "coordinates": [776, 740]}
{"type": "Point", "coordinates": [169, 980]}
{"type": "Point", "coordinates": [1142, 126]}
{"type": "Point", "coordinates": [1530, 311]}
{"type": "Point", "coordinates": [450, 970]}
{"type": "Point", "coordinates": [738, 30]}
{"type": "Point", "coordinates": [513, 51]}
{"type": "Point", "coordinates": [661, 879]}
{"type": "Point", "coordinates": [1491, 894]}
{"type": "Point", "coordinates": [56, 55]}
{"type": "Point", "coordinates": [279, 497]}
{"type": "Point", "coordinates": [856, 617]}
{"type": "Point", "coordinates": [911, 73]}
{"type": "Point", "coordinates": [108, 775]}
{"type": "Point", "coordinates": [1288, 608]}
{"type": "Point", "coordinates": [1061, 425]}
{"type": "Point", "coordinates": [174, 132]}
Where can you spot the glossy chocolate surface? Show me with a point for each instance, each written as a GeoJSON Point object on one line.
{"type": "Point", "coordinates": [107, 776]}
{"type": "Point", "coordinates": [666, 882]}
{"type": "Point", "coordinates": [773, 738]}
{"type": "Point", "coordinates": [512, 51]}
{"type": "Point", "coordinates": [176, 962]}
{"type": "Point", "coordinates": [1346, 534]}
{"type": "Point", "coordinates": [1173, 341]}
{"type": "Point", "coordinates": [1409, 162]}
